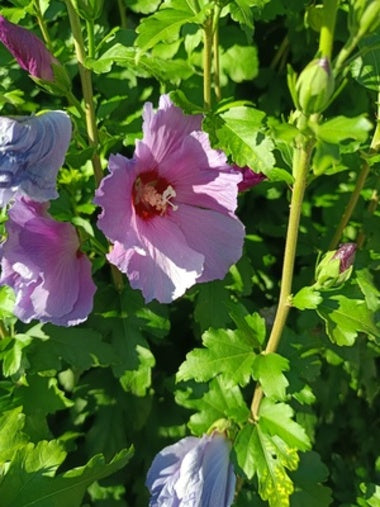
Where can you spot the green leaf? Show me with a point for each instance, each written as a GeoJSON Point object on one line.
{"type": "Point", "coordinates": [165, 24]}
{"type": "Point", "coordinates": [221, 400]}
{"type": "Point", "coordinates": [30, 482]}
{"type": "Point", "coordinates": [307, 479]}
{"type": "Point", "coordinates": [210, 305]}
{"type": "Point", "coordinates": [7, 301]}
{"type": "Point", "coordinates": [267, 369]}
{"type": "Point", "coordinates": [267, 457]}
{"type": "Point", "coordinates": [13, 356]}
{"type": "Point", "coordinates": [276, 419]}
{"type": "Point", "coordinates": [366, 68]}
{"type": "Point", "coordinates": [241, 12]}
{"type": "Point", "coordinates": [240, 63]}
{"type": "Point", "coordinates": [227, 352]}
{"type": "Point", "coordinates": [306, 298]}
{"type": "Point", "coordinates": [341, 128]}
{"type": "Point", "coordinates": [368, 288]}
{"type": "Point", "coordinates": [11, 435]}
{"type": "Point", "coordinates": [345, 317]}
{"type": "Point", "coordinates": [82, 348]}
{"type": "Point", "coordinates": [239, 132]}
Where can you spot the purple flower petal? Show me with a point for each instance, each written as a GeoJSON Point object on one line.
{"type": "Point", "coordinates": [170, 210]}
{"type": "Point", "coordinates": [195, 472]}
{"type": "Point", "coordinates": [32, 149]}
{"type": "Point", "coordinates": [29, 51]}
{"type": "Point", "coordinates": [41, 261]}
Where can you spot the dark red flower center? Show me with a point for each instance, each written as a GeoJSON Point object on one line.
{"type": "Point", "coordinates": [151, 195]}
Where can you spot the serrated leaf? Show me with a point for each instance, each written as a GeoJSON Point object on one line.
{"type": "Point", "coordinates": [220, 400]}
{"type": "Point", "coordinates": [266, 456]}
{"type": "Point", "coordinates": [11, 435]}
{"type": "Point", "coordinates": [7, 301]}
{"type": "Point", "coordinates": [165, 24]}
{"type": "Point", "coordinates": [227, 352]}
{"type": "Point", "coordinates": [28, 481]}
{"type": "Point", "coordinates": [368, 288]}
{"type": "Point", "coordinates": [239, 132]}
{"type": "Point", "coordinates": [276, 419]}
{"type": "Point", "coordinates": [345, 317]}
{"type": "Point", "coordinates": [267, 369]}
{"type": "Point", "coordinates": [307, 298]}
{"type": "Point", "coordinates": [366, 68]}
{"type": "Point", "coordinates": [80, 347]}
{"type": "Point", "coordinates": [340, 128]}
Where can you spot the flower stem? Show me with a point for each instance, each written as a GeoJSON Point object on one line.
{"type": "Point", "coordinates": [91, 37]}
{"type": "Point", "coordinates": [85, 77]}
{"type": "Point", "coordinates": [301, 159]}
{"type": "Point", "coordinates": [326, 38]}
{"type": "Point", "coordinates": [42, 24]}
{"type": "Point", "coordinates": [207, 53]}
{"type": "Point", "coordinates": [123, 16]}
{"type": "Point", "coordinates": [365, 169]}
{"type": "Point", "coordinates": [218, 91]}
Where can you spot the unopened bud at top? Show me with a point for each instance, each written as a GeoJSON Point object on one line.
{"type": "Point", "coordinates": [346, 255]}
{"type": "Point", "coordinates": [315, 86]}
{"type": "Point", "coordinates": [370, 20]}
{"type": "Point", "coordinates": [335, 267]}
{"type": "Point", "coordinates": [88, 9]}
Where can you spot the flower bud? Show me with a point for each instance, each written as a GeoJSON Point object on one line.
{"type": "Point", "coordinates": [315, 86]}
{"type": "Point", "coordinates": [249, 178]}
{"type": "Point", "coordinates": [335, 267]}
{"type": "Point", "coordinates": [370, 20]}
{"type": "Point", "coordinates": [88, 9]}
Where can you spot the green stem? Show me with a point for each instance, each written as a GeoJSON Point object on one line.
{"type": "Point", "coordinates": [218, 91]}
{"type": "Point", "coordinates": [123, 16]}
{"type": "Point", "coordinates": [326, 38]}
{"type": "Point", "coordinates": [301, 160]}
{"type": "Point", "coordinates": [3, 330]}
{"type": "Point", "coordinates": [92, 131]}
{"type": "Point", "coordinates": [91, 37]}
{"type": "Point", "coordinates": [207, 53]}
{"type": "Point", "coordinates": [85, 77]}
{"type": "Point", "coordinates": [364, 171]}
{"type": "Point", "coordinates": [42, 24]}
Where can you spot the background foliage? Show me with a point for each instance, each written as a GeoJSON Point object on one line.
{"type": "Point", "coordinates": [84, 410]}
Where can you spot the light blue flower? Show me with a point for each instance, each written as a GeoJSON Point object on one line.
{"type": "Point", "coordinates": [194, 472]}
{"type": "Point", "coordinates": [32, 149]}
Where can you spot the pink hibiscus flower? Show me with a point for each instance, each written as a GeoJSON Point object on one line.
{"type": "Point", "coordinates": [170, 209]}
{"type": "Point", "coordinates": [42, 263]}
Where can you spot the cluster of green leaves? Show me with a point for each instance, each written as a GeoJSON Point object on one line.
{"type": "Point", "coordinates": [95, 403]}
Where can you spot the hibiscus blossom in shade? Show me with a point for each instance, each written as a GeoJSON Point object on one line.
{"type": "Point", "coordinates": [42, 263]}
{"type": "Point", "coordinates": [195, 472]}
{"type": "Point", "coordinates": [250, 178]}
{"type": "Point", "coordinates": [29, 51]}
{"type": "Point", "coordinates": [170, 210]}
{"type": "Point", "coordinates": [32, 149]}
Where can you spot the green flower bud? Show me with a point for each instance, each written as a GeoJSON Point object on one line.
{"type": "Point", "coordinates": [315, 86]}
{"type": "Point", "coordinates": [335, 267]}
{"type": "Point", "coordinates": [88, 9]}
{"type": "Point", "coordinates": [370, 20]}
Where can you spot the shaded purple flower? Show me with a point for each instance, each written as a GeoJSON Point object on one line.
{"type": "Point", "coordinates": [29, 51]}
{"type": "Point", "coordinates": [170, 210]}
{"type": "Point", "coordinates": [250, 178]}
{"type": "Point", "coordinates": [32, 149]}
{"type": "Point", "coordinates": [42, 263]}
{"type": "Point", "coordinates": [346, 255]}
{"type": "Point", "coordinates": [195, 472]}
